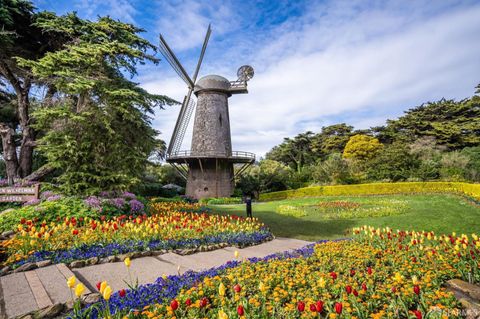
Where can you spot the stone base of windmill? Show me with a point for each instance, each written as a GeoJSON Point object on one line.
{"type": "Point", "coordinates": [210, 178]}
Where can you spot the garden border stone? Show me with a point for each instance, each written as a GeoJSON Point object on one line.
{"type": "Point", "coordinates": [121, 257]}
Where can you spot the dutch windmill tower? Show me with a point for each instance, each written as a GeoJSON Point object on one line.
{"type": "Point", "coordinates": [208, 166]}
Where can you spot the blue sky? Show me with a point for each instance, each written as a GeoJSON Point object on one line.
{"type": "Point", "coordinates": [316, 62]}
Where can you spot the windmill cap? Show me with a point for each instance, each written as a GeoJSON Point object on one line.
{"type": "Point", "coordinates": [212, 82]}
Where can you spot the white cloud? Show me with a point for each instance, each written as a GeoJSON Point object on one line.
{"type": "Point", "coordinates": [184, 23]}
{"type": "Point", "coordinates": [118, 9]}
{"type": "Point", "coordinates": [335, 61]}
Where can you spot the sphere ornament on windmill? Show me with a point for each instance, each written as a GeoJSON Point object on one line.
{"type": "Point", "coordinates": [208, 166]}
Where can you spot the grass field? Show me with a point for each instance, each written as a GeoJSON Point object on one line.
{"type": "Point", "coordinates": [330, 217]}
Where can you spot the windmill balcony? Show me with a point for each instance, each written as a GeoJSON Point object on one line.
{"type": "Point", "coordinates": [186, 156]}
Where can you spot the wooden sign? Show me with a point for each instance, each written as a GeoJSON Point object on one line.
{"type": "Point", "coordinates": [19, 194]}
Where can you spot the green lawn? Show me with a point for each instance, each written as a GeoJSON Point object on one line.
{"type": "Point", "coordinates": [440, 213]}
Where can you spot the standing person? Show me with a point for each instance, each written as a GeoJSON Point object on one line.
{"type": "Point", "coordinates": [248, 202]}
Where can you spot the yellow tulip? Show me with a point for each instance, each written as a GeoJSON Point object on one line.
{"type": "Point", "coordinates": [222, 314]}
{"type": "Point", "coordinates": [321, 282]}
{"type": "Point", "coordinates": [103, 285]}
{"type": "Point", "coordinates": [79, 289]}
{"type": "Point", "coordinates": [47, 236]}
{"type": "Point", "coordinates": [221, 289]}
{"type": "Point", "coordinates": [71, 282]}
{"type": "Point", "coordinates": [127, 262]}
{"type": "Point", "coordinates": [236, 254]}
{"type": "Point", "coordinates": [107, 293]}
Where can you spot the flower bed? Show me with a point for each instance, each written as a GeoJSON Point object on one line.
{"type": "Point", "coordinates": [378, 274]}
{"type": "Point", "coordinates": [170, 226]}
{"type": "Point", "coordinates": [51, 207]}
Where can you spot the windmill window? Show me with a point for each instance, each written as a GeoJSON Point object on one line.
{"type": "Point", "coordinates": [220, 119]}
{"type": "Point", "coordinates": [205, 189]}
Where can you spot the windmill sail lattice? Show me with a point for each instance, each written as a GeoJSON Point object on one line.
{"type": "Point", "coordinates": [182, 125]}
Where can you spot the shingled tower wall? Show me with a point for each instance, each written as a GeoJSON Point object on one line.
{"type": "Point", "coordinates": [212, 175]}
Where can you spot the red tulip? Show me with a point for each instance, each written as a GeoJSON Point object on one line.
{"type": "Point", "coordinates": [355, 292]}
{"type": "Point", "coordinates": [75, 232]}
{"type": "Point", "coordinates": [348, 289]}
{"type": "Point", "coordinates": [364, 287]}
{"type": "Point", "coordinates": [352, 272]}
{"type": "Point", "coordinates": [333, 275]}
{"type": "Point", "coordinates": [188, 302]}
{"type": "Point", "coordinates": [417, 314]}
{"type": "Point", "coordinates": [23, 221]}
{"type": "Point", "coordinates": [174, 304]}
{"type": "Point", "coordinates": [237, 288]}
{"type": "Point", "coordinates": [338, 307]}
{"type": "Point", "coordinates": [98, 285]}
{"type": "Point", "coordinates": [394, 290]}
{"type": "Point", "coordinates": [301, 306]}
{"type": "Point", "coordinates": [313, 308]}
{"type": "Point", "coordinates": [319, 306]}
{"type": "Point", "coordinates": [416, 289]}
{"type": "Point", "coordinates": [122, 293]}
{"type": "Point", "coordinates": [203, 302]}
{"type": "Point", "coordinates": [240, 310]}
{"type": "Point", "coordinates": [369, 270]}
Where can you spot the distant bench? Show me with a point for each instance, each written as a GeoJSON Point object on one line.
{"type": "Point", "coordinates": [19, 194]}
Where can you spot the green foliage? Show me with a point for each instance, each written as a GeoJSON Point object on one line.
{"type": "Point", "coordinates": [472, 170]}
{"type": "Point", "coordinates": [334, 170]}
{"type": "Point", "coordinates": [394, 163]}
{"type": "Point", "coordinates": [453, 166]}
{"type": "Point", "coordinates": [452, 124]}
{"type": "Point", "coordinates": [269, 175]}
{"type": "Point", "coordinates": [294, 152]}
{"type": "Point", "coordinates": [362, 147]}
{"type": "Point", "coordinates": [331, 139]}
{"type": "Point", "coordinates": [99, 135]}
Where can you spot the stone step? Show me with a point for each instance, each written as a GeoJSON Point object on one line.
{"type": "Point", "coordinates": [35, 289]}
{"type": "Point", "coordinates": [275, 246]}
{"type": "Point", "coordinates": [468, 295]}
{"type": "Point", "coordinates": [146, 270]}
{"type": "Point", "coordinates": [199, 261]}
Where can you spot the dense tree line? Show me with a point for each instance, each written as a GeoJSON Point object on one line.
{"type": "Point", "coordinates": [434, 141]}
{"type": "Point", "coordinates": [68, 105]}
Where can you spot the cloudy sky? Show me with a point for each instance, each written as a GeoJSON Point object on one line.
{"type": "Point", "coordinates": [316, 62]}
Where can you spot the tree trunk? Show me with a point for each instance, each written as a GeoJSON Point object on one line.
{"type": "Point", "coordinates": [28, 136]}
{"type": "Point", "coordinates": [9, 152]}
{"type": "Point", "coordinates": [39, 174]}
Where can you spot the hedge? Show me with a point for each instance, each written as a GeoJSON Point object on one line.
{"type": "Point", "coordinates": [470, 190]}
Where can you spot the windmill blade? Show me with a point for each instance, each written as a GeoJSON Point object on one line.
{"type": "Point", "coordinates": [181, 125]}
{"type": "Point", "coordinates": [182, 128]}
{"type": "Point", "coordinates": [204, 47]}
{"type": "Point", "coordinates": [173, 61]}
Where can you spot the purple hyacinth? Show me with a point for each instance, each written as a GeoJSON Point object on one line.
{"type": "Point", "coordinates": [32, 202]}
{"type": "Point", "coordinates": [117, 202]}
{"type": "Point", "coordinates": [129, 195]}
{"type": "Point", "coordinates": [54, 198]}
{"type": "Point", "coordinates": [93, 202]}
{"type": "Point", "coordinates": [136, 206]}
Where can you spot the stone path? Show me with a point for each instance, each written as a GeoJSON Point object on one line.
{"type": "Point", "coordinates": [23, 292]}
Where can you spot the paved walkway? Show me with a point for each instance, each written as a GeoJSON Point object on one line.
{"type": "Point", "coordinates": [21, 293]}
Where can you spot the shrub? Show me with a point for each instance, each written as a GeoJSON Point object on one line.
{"type": "Point", "coordinates": [223, 201]}
{"type": "Point", "coordinates": [471, 190]}
{"type": "Point", "coordinates": [454, 166]}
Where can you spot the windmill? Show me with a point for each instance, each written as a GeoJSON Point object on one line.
{"type": "Point", "coordinates": [208, 166]}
